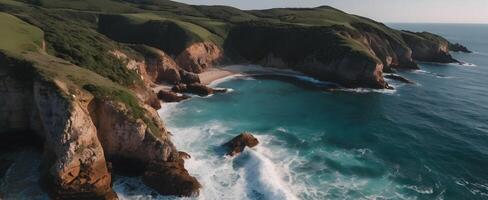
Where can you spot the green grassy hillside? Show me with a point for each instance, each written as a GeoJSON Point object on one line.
{"type": "Point", "coordinates": [18, 36]}
{"type": "Point", "coordinates": [84, 32]}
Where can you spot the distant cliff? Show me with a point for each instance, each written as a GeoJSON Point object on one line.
{"type": "Point", "coordinates": [322, 42]}
{"type": "Point", "coordinates": [79, 75]}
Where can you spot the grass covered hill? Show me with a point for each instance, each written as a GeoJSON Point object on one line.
{"type": "Point", "coordinates": [79, 74]}
{"type": "Point", "coordinates": [82, 32]}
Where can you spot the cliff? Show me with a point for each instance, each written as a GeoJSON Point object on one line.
{"type": "Point", "coordinates": [322, 42]}
{"type": "Point", "coordinates": [89, 124]}
{"type": "Point", "coordinates": [80, 75]}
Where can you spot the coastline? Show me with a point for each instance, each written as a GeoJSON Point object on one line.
{"type": "Point", "coordinates": [212, 75]}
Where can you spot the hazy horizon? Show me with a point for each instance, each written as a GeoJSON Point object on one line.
{"type": "Point", "coordinates": [389, 11]}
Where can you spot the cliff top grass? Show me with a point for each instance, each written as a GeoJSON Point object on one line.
{"type": "Point", "coordinates": [18, 36]}
{"type": "Point", "coordinates": [21, 44]}
{"type": "Point", "coordinates": [200, 23]}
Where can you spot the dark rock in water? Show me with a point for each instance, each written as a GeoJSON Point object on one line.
{"type": "Point", "coordinates": [199, 89]}
{"type": "Point", "coordinates": [189, 77]}
{"type": "Point", "coordinates": [171, 178]}
{"type": "Point", "coordinates": [399, 78]}
{"type": "Point", "coordinates": [220, 90]}
{"type": "Point", "coordinates": [237, 144]}
{"type": "Point", "coordinates": [194, 88]}
{"type": "Point", "coordinates": [459, 48]}
{"type": "Point", "coordinates": [169, 96]}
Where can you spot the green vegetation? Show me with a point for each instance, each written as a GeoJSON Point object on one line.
{"type": "Point", "coordinates": [18, 36]}
{"type": "Point", "coordinates": [172, 27]}
{"type": "Point", "coordinates": [102, 74]}
{"type": "Point", "coordinates": [80, 36]}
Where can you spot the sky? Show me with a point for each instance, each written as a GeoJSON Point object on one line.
{"type": "Point", "coordinates": [420, 11]}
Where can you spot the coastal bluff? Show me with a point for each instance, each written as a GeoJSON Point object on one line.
{"type": "Point", "coordinates": [79, 78]}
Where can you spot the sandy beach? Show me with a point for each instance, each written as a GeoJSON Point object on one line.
{"type": "Point", "coordinates": [214, 74]}
{"type": "Point", "coordinates": [217, 73]}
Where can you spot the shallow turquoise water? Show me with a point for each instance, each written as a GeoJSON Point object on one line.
{"type": "Point", "coordinates": [422, 141]}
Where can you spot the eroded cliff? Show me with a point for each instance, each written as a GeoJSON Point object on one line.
{"type": "Point", "coordinates": [83, 128]}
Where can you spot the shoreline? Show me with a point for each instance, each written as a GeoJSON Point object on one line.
{"type": "Point", "coordinates": [213, 75]}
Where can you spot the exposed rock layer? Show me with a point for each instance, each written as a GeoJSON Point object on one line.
{"type": "Point", "coordinates": [82, 133]}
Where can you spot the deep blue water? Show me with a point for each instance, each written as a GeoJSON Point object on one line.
{"type": "Point", "coordinates": [423, 141]}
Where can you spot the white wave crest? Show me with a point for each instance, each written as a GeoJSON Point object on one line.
{"type": "Point", "coordinates": [480, 53]}
{"type": "Point", "coordinates": [262, 178]}
{"type": "Point", "coordinates": [368, 90]}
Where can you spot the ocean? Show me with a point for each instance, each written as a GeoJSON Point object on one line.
{"type": "Point", "coordinates": [427, 140]}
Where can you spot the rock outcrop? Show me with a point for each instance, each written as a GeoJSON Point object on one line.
{"type": "Point", "coordinates": [169, 96]}
{"type": "Point", "coordinates": [74, 164]}
{"type": "Point", "coordinates": [456, 47]}
{"type": "Point", "coordinates": [428, 47]}
{"type": "Point", "coordinates": [83, 133]}
{"type": "Point", "coordinates": [199, 56]}
{"type": "Point", "coordinates": [399, 78]}
{"type": "Point", "coordinates": [189, 77]}
{"type": "Point", "coordinates": [160, 67]}
{"type": "Point", "coordinates": [238, 143]}
{"type": "Point", "coordinates": [196, 88]}
{"type": "Point", "coordinates": [171, 178]}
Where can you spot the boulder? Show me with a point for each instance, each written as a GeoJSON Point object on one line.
{"type": "Point", "coordinates": [169, 96]}
{"type": "Point", "coordinates": [194, 88]}
{"type": "Point", "coordinates": [171, 178]}
{"type": "Point", "coordinates": [199, 89]}
{"type": "Point", "coordinates": [220, 90]}
{"type": "Point", "coordinates": [189, 77]}
{"type": "Point", "coordinates": [237, 144]}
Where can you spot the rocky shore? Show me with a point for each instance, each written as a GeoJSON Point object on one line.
{"type": "Point", "coordinates": [86, 84]}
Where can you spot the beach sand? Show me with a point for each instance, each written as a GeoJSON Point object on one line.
{"type": "Point", "coordinates": [216, 73]}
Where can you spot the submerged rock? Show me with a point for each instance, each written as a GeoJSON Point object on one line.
{"type": "Point", "coordinates": [169, 96]}
{"type": "Point", "coordinates": [399, 78]}
{"type": "Point", "coordinates": [238, 143]}
{"type": "Point", "coordinates": [171, 178]}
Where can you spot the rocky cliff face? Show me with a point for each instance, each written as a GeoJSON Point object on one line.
{"type": "Point", "coordinates": [428, 47]}
{"type": "Point", "coordinates": [74, 164]}
{"type": "Point", "coordinates": [353, 57]}
{"type": "Point", "coordinates": [324, 57]}
{"type": "Point", "coordinates": [199, 56]}
{"type": "Point", "coordinates": [82, 134]}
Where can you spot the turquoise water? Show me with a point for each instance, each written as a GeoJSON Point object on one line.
{"type": "Point", "coordinates": [423, 141]}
